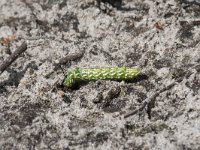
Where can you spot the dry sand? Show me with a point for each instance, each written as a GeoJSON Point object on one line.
{"type": "Point", "coordinates": [161, 37]}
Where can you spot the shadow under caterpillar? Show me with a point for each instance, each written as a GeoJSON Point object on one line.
{"type": "Point", "coordinates": [114, 73]}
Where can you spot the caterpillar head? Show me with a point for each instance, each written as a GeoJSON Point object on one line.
{"type": "Point", "coordinates": [72, 77]}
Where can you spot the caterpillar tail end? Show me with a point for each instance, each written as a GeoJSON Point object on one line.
{"type": "Point", "coordinates": [137, 71]}
{"type": "Point", "coordinates": [133, 72]}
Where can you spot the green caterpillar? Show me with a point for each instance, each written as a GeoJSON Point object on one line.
{"type": "Point", "coordinates": [115, 73]}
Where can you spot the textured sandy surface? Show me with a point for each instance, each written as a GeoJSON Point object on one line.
{"type": "Point", "coordinates": [161, 37]}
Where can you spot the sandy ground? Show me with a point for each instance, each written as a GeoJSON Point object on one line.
{"type": "Point", "coordinates": [161, 37]}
